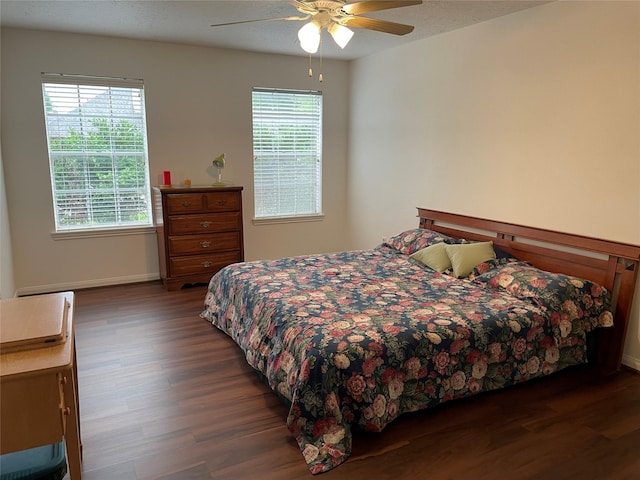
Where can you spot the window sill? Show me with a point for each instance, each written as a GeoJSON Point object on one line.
{"type": "Point", "coordinates": [102, 232]}
{"type": "Point", "coordinates": [300, 219]}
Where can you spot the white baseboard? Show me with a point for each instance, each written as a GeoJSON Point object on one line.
{"type": "Point", "coordinates": [631, 362]}
{"type": "Point", "coordinates": [101, 282]}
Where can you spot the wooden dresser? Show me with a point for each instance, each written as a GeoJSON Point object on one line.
{"type": "Point", "coordinates": [199, 231]}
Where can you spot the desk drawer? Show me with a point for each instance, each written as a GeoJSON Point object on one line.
{"type": "Point", "coordinates": [30, 413]}
{"type": "Point", "coordinates": [194, 244]}
{"type": "Point", "coordinates": [195, 264]}
{"type": "Point", "coordinates": [220, 222]}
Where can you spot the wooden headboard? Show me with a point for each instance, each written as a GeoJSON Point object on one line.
{"type": "Point", "coordinates": [611, 264]}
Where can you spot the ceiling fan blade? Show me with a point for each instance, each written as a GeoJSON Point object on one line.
{"type": "Point", "coordinates": [304, 7]}
{"type": "Point", "coordinates": [376, 5]}
{"type": "Point", "coordinates": [378, 25]}
{"type": "Point", "coordinates": [259, 20]}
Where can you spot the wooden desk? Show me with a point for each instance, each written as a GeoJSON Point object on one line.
{"type": "Point", "coordinates": [39, 383]}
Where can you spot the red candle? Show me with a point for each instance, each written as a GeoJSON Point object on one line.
{"type": "Point", "coordinates": [166, 177]}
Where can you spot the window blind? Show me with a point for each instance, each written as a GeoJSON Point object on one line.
{"type": "Point", "coordinates": [287, 150]}
{"type": "Point", "coordinates": [97, 144]}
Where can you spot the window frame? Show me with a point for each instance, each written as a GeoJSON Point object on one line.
{"type": "Point", "coordinates": [141, 188]}
{"type": "Point", "coordinates": [317, 213]}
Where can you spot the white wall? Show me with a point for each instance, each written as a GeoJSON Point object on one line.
{"type": "Point", "coordinates": [7, 286]}
{"type": "Point", "coordinates": [198, 105]}
{"type": "Point", "coordinates": [532, 118]}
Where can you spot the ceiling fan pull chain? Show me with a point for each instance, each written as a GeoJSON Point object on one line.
{"type": "Point", "coordinates": [310, 69]}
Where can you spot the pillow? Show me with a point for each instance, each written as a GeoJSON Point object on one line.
{"type": "Point", "coordinates": [434, 256]}
{"type": "Point", "coordinates": [501, 253]}
{"type": "Point", "coordinates": [410, 241]}
{"type": "Point", "coordinates": [465, 256]}
{"type": "Point", "coordinates": [575, 303]}
{"type": "Point", "coordinates": [484, 267]}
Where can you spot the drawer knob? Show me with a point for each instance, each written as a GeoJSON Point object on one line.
{"type": "Point", "coordinates": [222, 202]}
{"type": "Point", "coordinates": [207, 264]}
{"type": "Point", "coordinates": [205, 224]}
{"type": "Point", "coordinates": [66, 411]}
{"type": "Point", "coordinates": [205, 244]}
{"type": "Point", "coordinates": [186, 203]}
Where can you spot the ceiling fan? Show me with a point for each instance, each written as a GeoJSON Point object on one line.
{"type": "Point", "coordinates": [335, 16]}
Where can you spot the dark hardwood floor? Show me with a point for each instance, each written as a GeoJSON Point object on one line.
{"type": "Point", "coordinates": [164, 395]}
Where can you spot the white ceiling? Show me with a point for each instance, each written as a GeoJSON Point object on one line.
{"type": "Point", "coordinates": [189, 22]}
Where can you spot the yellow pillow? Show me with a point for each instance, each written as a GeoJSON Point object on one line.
{"type": "Point", "coordinates": [434, 256]}
{"type": "Point", "coordinates": [465, 256]}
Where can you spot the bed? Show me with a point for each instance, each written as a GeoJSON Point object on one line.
{"type": "Point", "coordinates": [355, 339]}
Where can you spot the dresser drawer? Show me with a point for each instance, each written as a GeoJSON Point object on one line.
{"type": "Point", "coordinates": [194, 244]}
{"type": "Point", "coordinates": [181, 203]}
{"type": "Point", "coordinates": [222, 201]}
{"type": "Point", "coordinates": [195, 264]}
{"type": "Point", "coordinates": [204, 223]}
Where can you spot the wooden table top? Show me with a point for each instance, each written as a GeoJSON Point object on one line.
{"type": "Point", "coordinates": [38, 318]}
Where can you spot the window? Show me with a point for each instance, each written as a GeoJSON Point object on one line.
{"type": "Point", "coordinates": [98, 160]}
{"type": "Point", "coordinates": [287, 153]}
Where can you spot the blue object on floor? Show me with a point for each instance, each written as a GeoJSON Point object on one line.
{"type": "Point", "coordinates": [41, 463]}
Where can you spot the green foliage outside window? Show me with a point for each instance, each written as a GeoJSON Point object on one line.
{"type": "Point", "coordinates": [100, 177]}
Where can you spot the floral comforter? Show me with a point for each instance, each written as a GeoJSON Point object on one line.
{"type": "Point", "coordinates": [355, 339]}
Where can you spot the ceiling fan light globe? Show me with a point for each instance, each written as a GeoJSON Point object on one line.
{"type": "Point", "coordinates": [309, 36]}
{"type": "Point", "coordinates": [341, 34]}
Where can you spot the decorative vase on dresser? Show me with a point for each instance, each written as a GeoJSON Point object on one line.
{"type": "Point", "coordinates": [199, 231]}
